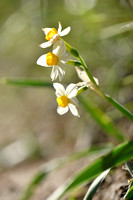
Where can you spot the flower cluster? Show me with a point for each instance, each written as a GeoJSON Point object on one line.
{"type": "Point", "coordinates": [57, 59]}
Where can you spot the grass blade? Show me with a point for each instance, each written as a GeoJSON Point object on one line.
{"type": "Point", "coordinates": [118, 155]}
{"type": "Point", "coordinates": [34, 183]}
{"type": "Point", "coordinates": [55, 164]}
{"type": "Point", "coordinates": [129, 194]}
{"type": "Point", "coordinates": [116, 29]}
{"type": "Point", "coordinates": [102, 119]}
{"type": "Point", "coordinates": [25, 82]}
{"type": "Point", "coordinates": [94, 186]}
{"type": "Point", "coordinates": [121, 108]}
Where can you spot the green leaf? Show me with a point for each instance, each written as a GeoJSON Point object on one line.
{"type": "Point", "coordinates": [118, 155]}
{"type": "Point", "coordinates": [120, 107]}
{"type": "Point", "coordinates": [102, 119]}
{"type": "Point", "coordinates": [58, 163]}
{"type": "Point", "coordinates": [129, 194]}
{"type": "Point", "coordinates": [94, 186]}
{"type": "Point", "coordinates": [116, 29]}
{"type": "Point", "coordinates": [25, 82]}
{"type": "Point", "coordinates": [34, 183]}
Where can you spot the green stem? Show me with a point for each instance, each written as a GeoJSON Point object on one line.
{"type": "Point", "coordinates": [87, 71]}
{"type": "Point", "coordinates": [97, 89]}
{"type": "Point", "coordinates": [115, 103]}
{"type": "Point", "coordinates": [75, 53]}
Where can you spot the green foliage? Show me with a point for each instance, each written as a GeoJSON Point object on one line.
{"type": "Point", "coordinates": [25, 82]}
{"type": "Point", "coordinates": [102, 119]}
{"type": "Point", "coordinates": [94, 186]}
{"type": "Point", "coordinates": [118, 155]}
{"type": "Point", "coordinates": [129, 194]}
{"type": "Point", "coordinates": [56, 164]}
{"type": "Point", "coordinates": [121, 108]}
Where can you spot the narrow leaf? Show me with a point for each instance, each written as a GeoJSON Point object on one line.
{"type": "Point", "coordinates": [129, 194]}
{"type": "Point", "coordinates": [94, 186]}
{"type": "Point", "coordinates": [35, 181]}
{"type": "Point", "coordinates": [118, 155]}
{"type": "Point", "coordinates": [116, 29]}
{"type": "Point", "coordinates": [120, 107]}
{"type": "Point", "coordinates": [25, 82]}
{"type": "Point", "coordinates": [102, 119]}
{"type": "Point", "coordinates": [58, 163]}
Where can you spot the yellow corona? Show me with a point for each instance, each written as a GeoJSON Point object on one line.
{"type": "Point", "coordinates": [51, 33]}
{"type": "Point", "coordinates": [63, 101]}
{"type": "Point", "coordinates": [51, 59]}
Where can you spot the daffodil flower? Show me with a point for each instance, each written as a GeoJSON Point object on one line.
{"type": "Point", "coordinates": [86, 81]}
{"type": "Point", "coordinates": [52, 35]}
{"type": "Point", "coordinates": [66, 98]}
{"type": "Point", "coordinates": [55, 59]}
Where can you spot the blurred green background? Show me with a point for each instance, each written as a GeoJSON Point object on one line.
{"type": "Point", "coordinates": [102, 32]}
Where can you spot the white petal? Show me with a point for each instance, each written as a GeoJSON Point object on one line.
{"type": "Point", "coordinates": [56, 47]}
{"type": "Point", "coordinates": [71, 90]}
{"type": "Point", "coordinates": [42, 61]}
{"type": "Point", "coordinates": [61, 73]}
{"type": "Point", "coordinates": [60, 27]}
{"type": "Point", "coordinates": [54, 73]}
{"type": "Point", "coordinates": [59, 48]}
{"type": "Point", "coordinates": [74, 101]}
{"type": "Point", "coordinates": [73, 110]}
{"type": "Point", "coordinates": [46, 30]}
{"type": "Point", "coordinates": [61, 110]}
{"type": "Point", "coordinates": [60, 90]}
{"type": "Point", "coordinates": [65, 31]}
{"type": "Point", "coordinates": [83, 76]}
{"type": "Point", "coordinates": [46, 44]}
{"type": "Point", "coordinates": [65, 58]}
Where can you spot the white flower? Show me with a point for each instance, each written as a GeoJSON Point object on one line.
{"type": "Point", "coordinates": [55, 59]}
{"type": "Point", "coordinates": [66, 98]}
{"type": "Point", "coordinates": [52, 35]}
{"type": "Point", "coordinates": [86, 81]}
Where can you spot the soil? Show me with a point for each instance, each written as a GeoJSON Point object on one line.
{"type": "Point", "coordinates": [13, 182]}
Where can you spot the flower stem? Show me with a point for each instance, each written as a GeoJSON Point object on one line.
{"type": "Point", "coordinates": [97, 89]}
{"type": "Point", "coordinates": [86, 70]}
